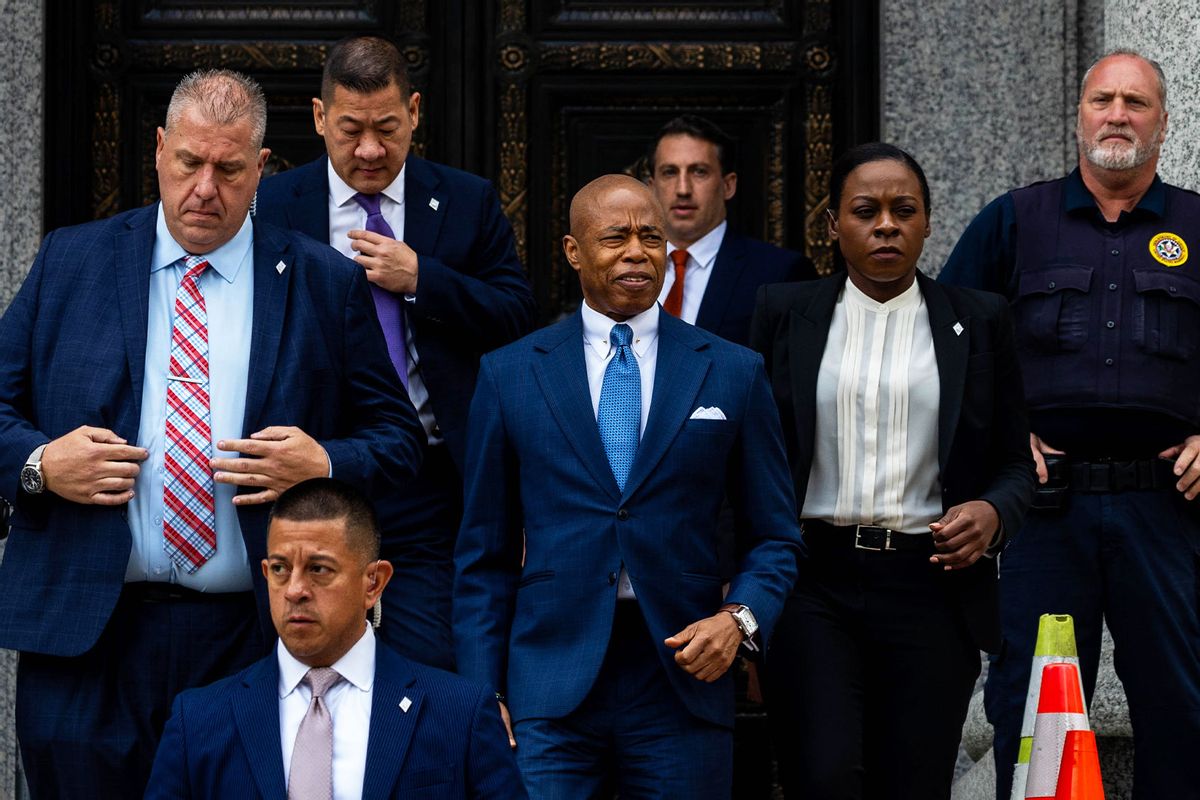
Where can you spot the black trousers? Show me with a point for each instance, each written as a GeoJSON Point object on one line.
{"type": "Point", "coordinates": [868, 677]}
{"type": "Point", "coordinates": [89, 725]}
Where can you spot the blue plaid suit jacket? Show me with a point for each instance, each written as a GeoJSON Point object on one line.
{"type": "Point", "coordinates": [72, 352]}
{"type": "Point", "coordinates": [539, 490]}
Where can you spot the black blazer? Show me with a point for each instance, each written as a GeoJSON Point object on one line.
{"type": "Point", "coordinates": [741, 267]}
{"type": "Point", "coordinates": [983, 427]}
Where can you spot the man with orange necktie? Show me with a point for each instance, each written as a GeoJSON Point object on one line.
{"type": "Point", "coordinates": [715, 272]}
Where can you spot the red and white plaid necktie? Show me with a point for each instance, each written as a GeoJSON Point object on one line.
{"type": "Point", "coordinates": [189, 518]}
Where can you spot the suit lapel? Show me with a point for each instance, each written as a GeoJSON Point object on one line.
{"type": "Point", "coordinates": [951, 348]}
{"type": "Point", "coordinates": [392, 725]}
{"type": "Point", "coordinates": [256, 715]}
{"type": "Point", "coordinates": [726, 270]}
{"type": "Point", "coordinates": [310, 213]}
{"type": "Point", "coordinates": [808, 333]}
{"type": "Point", "coordinates": [562, 376]}
{"type": "Point", "coordinates": [270, 317]}
{"type": "Point", "coordinates": [135, 247]}
{"type": "Point", "coordinates": [679, 372]}
{"type": "Point", "coordinates": [421, 193]}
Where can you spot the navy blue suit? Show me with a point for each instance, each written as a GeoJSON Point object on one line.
{"type": "Point", "coordinates": [222, 741]}
{"type": "Point", "coordinates": [546, 530]}
{"type": "Point", "coordinates": [743, 264]}
{"type": "Point", "coordinates": [72, 351]}
{"type": "Point", "coordinates": [472, 296]}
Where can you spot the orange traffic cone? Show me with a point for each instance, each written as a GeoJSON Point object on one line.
{"type": "Point", "coordinates": [1060, 712]}
{"type": "Point", "coordinates": [1079, 776]}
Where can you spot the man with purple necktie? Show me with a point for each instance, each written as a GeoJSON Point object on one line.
{"type": "Point", "coordinates": [448, 286]}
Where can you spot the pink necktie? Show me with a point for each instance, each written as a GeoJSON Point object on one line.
{"type": "Point", "coordinates": [311, 776]}
{"type": "Point", "coordinates": [189, 512]}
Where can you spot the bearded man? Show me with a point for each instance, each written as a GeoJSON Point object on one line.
{"type": "Point", "coordinates": [1106, 304]}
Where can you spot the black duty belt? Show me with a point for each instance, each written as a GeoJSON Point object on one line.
{"type": "Point", "coordinates": [866, 537]}
{"type": "Point", "coordinates": [1109, 475]}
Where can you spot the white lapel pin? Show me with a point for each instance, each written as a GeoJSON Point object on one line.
{"type": "Point", "coordinates": [958, 329]}
{"type": "Point", "coordinates": [433, 203]}
{"type": "Point", "coordinates": [405, 705]}
{"type": "Point", "coordinates": [280, 267]}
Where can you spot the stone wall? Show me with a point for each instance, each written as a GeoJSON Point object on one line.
{"type": "Point", "coordinates": [20, 233]}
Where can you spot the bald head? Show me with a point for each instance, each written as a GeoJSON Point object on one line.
{"type": "Point", "coordinates": [617, 245]}
{"type": "Point", "coordinates": [592, 198]}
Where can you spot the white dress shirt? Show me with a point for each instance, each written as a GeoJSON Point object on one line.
{"type": "Point", "coordinates": [346, 215]}
{"type": "Point", "coordinates": [598, 352]}
{"type": "Point", "coordinates": [875, 459]}
{"type": "Point", "coordinates": [349, 704]}
{"type": "Point", "coordinates": [702, 255]}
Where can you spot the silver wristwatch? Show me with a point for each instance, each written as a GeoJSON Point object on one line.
{"type": "Point", "coordinates": [32, 479]}
{"type": "Point", "coordinates": [745, 620]}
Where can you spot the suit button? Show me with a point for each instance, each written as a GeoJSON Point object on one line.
{"type": "Point", "coordinates": [612, 578]}
{"type": "Point", "coordinates": [622, 515]}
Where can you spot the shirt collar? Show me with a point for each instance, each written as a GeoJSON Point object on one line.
{"type": "Point", "coordinates": [343, 193]}
{"type": "Point", "coordinates": [597, 327]}
{"type": "Point", "coordinates": [226, 260]}
{"type": "Point", "coordinates": [704, 250]}
{"type": "Point", "coordinates": [1077, 197]}
{"type": "Point", "coordinates": [357, 666]}
{"type": "Point", "coordinates": [908, 297]}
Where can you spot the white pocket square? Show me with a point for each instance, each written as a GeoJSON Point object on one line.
{"type": "Point", "coordinates": [707, 413]}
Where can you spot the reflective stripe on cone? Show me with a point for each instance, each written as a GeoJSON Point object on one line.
{"type": "Point", "coordinates": [1060, 711]}
{"type": "Point", "coordinates": [1055, 645]}
{"type": "Point", "coordinates": [1079, 776]}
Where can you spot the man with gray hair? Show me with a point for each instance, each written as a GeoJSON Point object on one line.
{"type": "Point", "coordinates": [164, 375]}
{"type": "Point", "coordinates": [1106, 303]}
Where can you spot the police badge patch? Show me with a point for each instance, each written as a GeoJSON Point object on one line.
{"type": "Point", "coordinates": [1168, 249]}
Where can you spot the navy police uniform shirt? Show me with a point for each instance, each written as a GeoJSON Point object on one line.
{"type": "Point", "coordinates": [1107, 315]}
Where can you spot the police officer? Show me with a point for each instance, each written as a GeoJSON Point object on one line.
{"type": "Point", "coordinates": [1106, 302]}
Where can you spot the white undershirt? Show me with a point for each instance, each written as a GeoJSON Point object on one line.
{"type": "Point", "coordinates": [349, 705]}
{"type": "Point", "coordinates": [875, 459]}
{"type": "Point", "coordinates": [598, 352]}
{"type": "Point", "coordinates": [702, 254]}
{"type": "Point", "coordinates": [346, 215]}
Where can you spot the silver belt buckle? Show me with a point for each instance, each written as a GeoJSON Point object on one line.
{"type": "Point", "coordinates": [887, 539]}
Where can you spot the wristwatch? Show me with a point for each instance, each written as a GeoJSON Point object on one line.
{"type": "Point", "coordinates": [32, 479]}
{"type": "Point", "coordinates": [745, 620]}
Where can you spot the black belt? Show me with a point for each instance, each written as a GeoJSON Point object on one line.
{"type": "Point", "coordinates": [1108, 475]}
{"type": "Point", "coordinates": [868, 537]}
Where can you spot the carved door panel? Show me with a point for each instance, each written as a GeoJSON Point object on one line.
{"type": "Point", "coordinates": [537, 95]}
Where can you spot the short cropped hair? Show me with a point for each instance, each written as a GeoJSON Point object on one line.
{"type": "Point", "coordinates": [364, 64]}
{"type": "Point", "coordinates": [222, 97]}
{"type": "Point", "coordinates": [320, 499]}
{"type": "Point", "coordinates": [699, 128]}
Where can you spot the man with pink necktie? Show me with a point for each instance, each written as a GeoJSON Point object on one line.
{"type": "Point", "coordinates": [164, 375]}
{"type": "Point", "coordinates": [333, 713]}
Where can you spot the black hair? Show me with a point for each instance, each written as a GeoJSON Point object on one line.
{"type": "Point", "coordinates": [699, 128]}
{"type": "Point", "coordinates": [320, 499]}
{"type": "Point", "coordinates": [855, 157]}
{"type": "Point", "coordinates": [364, 63]}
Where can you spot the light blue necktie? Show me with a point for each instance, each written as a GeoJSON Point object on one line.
{"type": "Point", "coordinates": [620, 414]}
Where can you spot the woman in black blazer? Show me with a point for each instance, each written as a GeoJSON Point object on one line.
{"type": "Point", "coordinates": [906, 431]}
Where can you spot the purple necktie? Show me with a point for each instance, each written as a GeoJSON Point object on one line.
{"type": "Point", "coordinates": [387, 305]}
